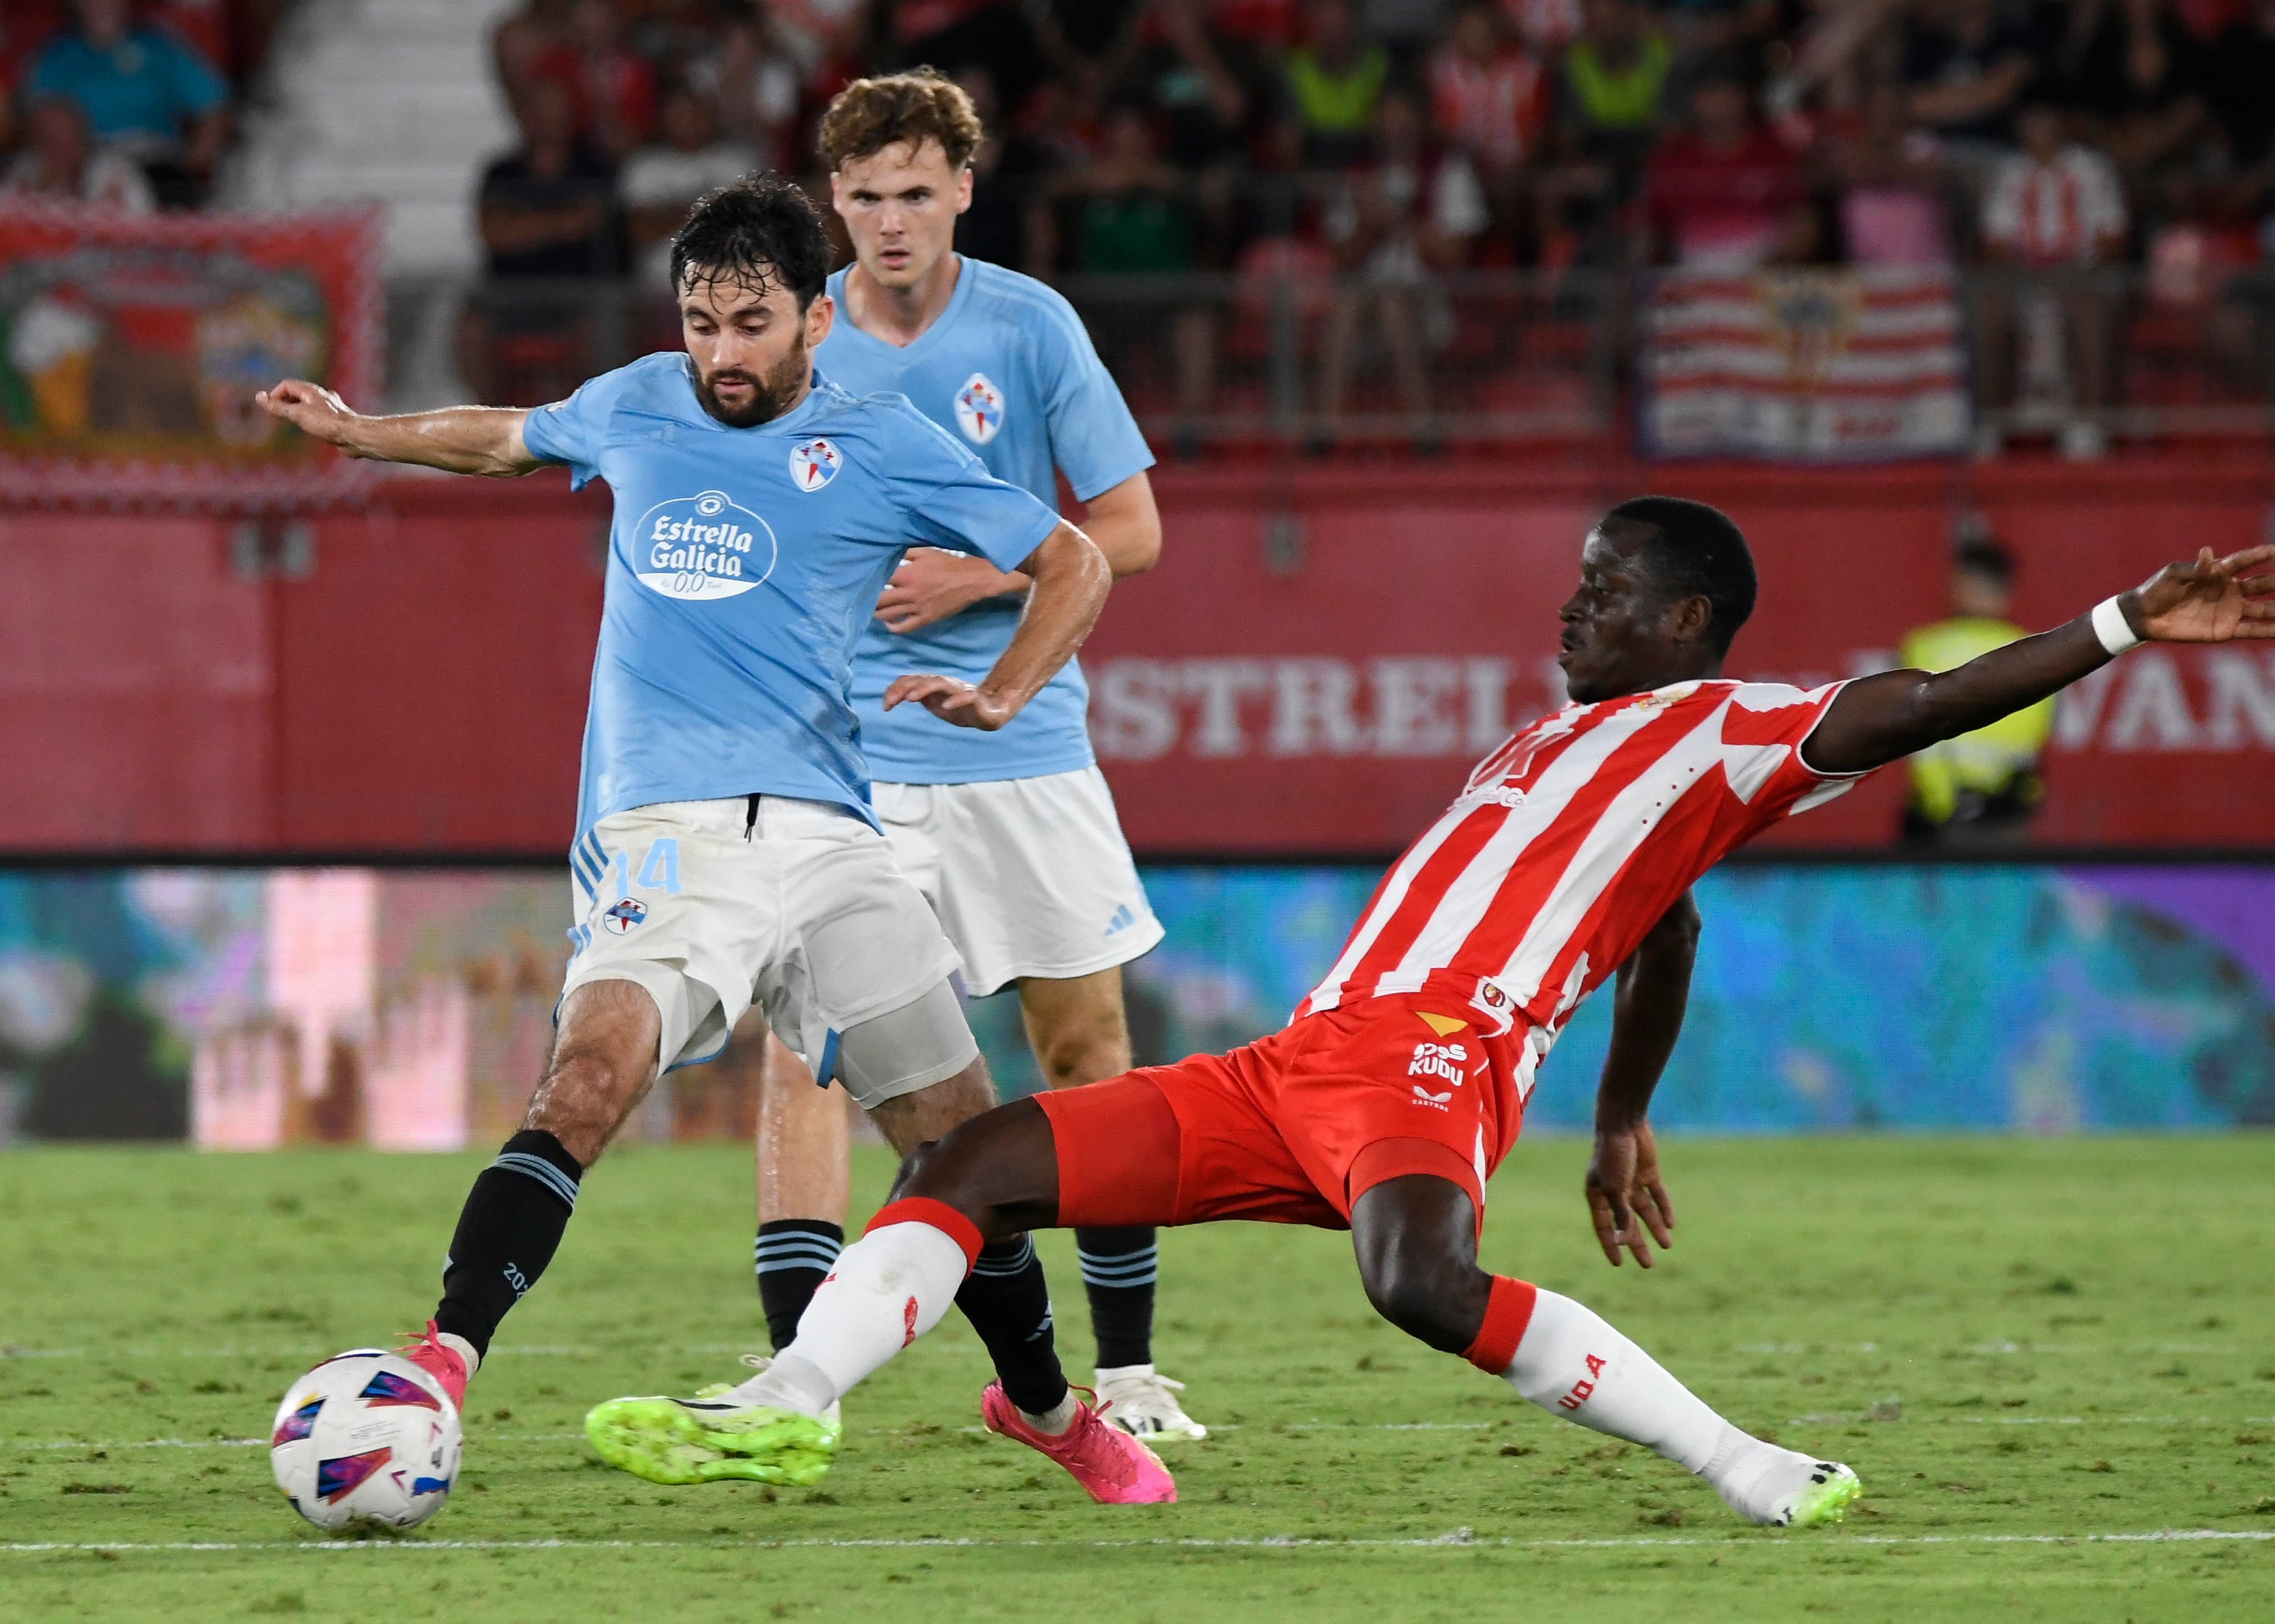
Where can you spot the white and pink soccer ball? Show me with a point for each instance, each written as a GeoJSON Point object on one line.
{"type": "Point", "coordinates": [366, 1436]}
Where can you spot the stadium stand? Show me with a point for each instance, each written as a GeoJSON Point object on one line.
{"type": "Point", "coordinates": [393, 103]}
{"type": "Point", "coordinates": [1312, 222]}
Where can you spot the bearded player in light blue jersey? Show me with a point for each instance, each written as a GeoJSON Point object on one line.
{"type": "Point", "coordinates": [726, 852]}
{"type": "Point", "coordinates": [1011, 835]}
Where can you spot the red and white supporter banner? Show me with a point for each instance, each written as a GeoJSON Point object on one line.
{"type": "Point", "coordinates": [131, 347]}
{"type": "Point", "coordinates": [1804, 366]}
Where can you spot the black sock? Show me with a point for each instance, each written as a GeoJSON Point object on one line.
{"type": "Point", "coordinates": [1008, 1302]}
{"type": "Point", "coordinates": [507, 1233]}
{"type": "Point", "coordinates": [1118, 1267]}
{"type": "Point", "coordinates": [793, 1255]}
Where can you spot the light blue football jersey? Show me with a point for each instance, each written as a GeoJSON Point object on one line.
{"type": "Point", "coordinates": [1008, 369]}
{"type": "Point", "coordinates": [742, 563]}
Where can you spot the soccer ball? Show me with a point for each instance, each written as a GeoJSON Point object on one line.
{"type": "Point", "coordinates": [366, 1436]}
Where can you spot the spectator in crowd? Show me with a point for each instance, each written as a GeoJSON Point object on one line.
{"type": "Point", "coordinates": [1967, 67]}
{"type": "Point", "coordinates": [1894, 188]}
{"type": "Point", "coordinates": [1489, 100]}
{"type": "Point", "coordinates": [1133, 215]}
{"type": "Point", "coordinates": [2055, 205]}
{"type": "Point", "coordinates": [1612, 90]}
{"type": "Point", "coordinates": [1333, 82]}
{"type": "Point", "coordinates": [1200, 81]}
{"type": "Point", "coordinates": [1087, 42]}
{"type": "Point", "coordinates": [998, 34]}
{"type": "Point", "coordinates": [757, 82]}
{"type": "Point", "coordinates": [529, 44]}
{"type": "Point", "coordinates": [1980, 788]}
{"type": "Point", "coordinates": [659, 181]}
{"type": "Point", "coordinates": [547, 208]}
{"type": "Point", "coordinates": [547, 217]}
{"type": "Point", "coordinates": [1488, 95]}
{"type": "Point", "coordinates": [61, 161]}
{"type": "Point", "coordinates": [1399, 218]}
{"type": "Point", "coordinates": [614, 90]}
{"type": "Point", "coordinates": [2238, 90]}
{"type": "Point", "coordinates": [580, 46]}
{"type": "Point", "coordinates": [2126, 69]}
{"type": "Point", "coordinates": [1271, 137]}
{"type": "Point", "coordinates": [1724, 193]}
{"type": "Point", "coordinates": [144, 92]}
{"type": "Point", "coordinates": [1132, 212]}
{"type": "Point", "coordinates": [1010, 220]}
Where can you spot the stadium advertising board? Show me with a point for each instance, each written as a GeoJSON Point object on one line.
{"type": "Point", "coordinates": [1310, 670]}
{"type": "Point", "coordinates": [1336, 707]}
{"type": "Point", "coordinates": [1804, 366]}
{"type": "Point", "coordinates": [131, 348]}
{"type": "Point", "coordinates": [412, 1010]}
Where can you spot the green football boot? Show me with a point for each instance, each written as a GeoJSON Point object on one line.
{"type": "Point", "coordinates": [1826, 1498]}
{"type": "Point", "coordinates": [677, 1441]}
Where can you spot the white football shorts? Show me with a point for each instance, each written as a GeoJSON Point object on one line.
{"type": "Point", "coordinates": [797, 907]}
{"type": "Point", "coordinates": [1029, 876]}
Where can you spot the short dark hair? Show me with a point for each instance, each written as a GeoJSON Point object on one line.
{"type": "Point", "coordinates": [760, 232]}
{"type": "Point", "coordinates": [1695, 551]}
{"type": "Point", "coordinates": [1984, 556]}
{"type": "Point", "coordinates": [921, 105]}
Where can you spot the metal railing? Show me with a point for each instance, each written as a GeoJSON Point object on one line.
{"type": "Point", "coordinates": [1301, 358]}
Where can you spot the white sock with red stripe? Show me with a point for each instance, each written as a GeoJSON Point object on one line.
{"type": "Point", "coordinates": [1573, 1363]}
{"type": "Point", "coordinates": [889, 1288]}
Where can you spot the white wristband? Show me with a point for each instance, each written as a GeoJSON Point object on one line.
{"type": "Point", "coordinates": [2110, 626]}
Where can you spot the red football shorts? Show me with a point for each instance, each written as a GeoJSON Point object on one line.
{"type": "Point", "coordinates": [1296, 1127]}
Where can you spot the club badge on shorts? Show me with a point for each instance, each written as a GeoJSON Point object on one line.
{"type": "Point", "coordinates": [624, 916]}
{"type": "Point", "coordinates": [813, 464]}
{"type": "Point", "coordinates": [979, 409]}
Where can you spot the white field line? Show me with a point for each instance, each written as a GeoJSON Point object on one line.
{"type": "Point", "coordinates": [1999, 1345]}
{"type": "Point", "coordinates": [1458, 1538]}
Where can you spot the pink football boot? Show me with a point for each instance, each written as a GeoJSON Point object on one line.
{"type": "Point", "coordinates": [441, 1361]}
{"type": "Point", "coordinates": [1112, 1468]}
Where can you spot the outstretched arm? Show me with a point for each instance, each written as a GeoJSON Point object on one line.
{"type": "Point", "coordinates": [1071, 577]}
{"type": "Point", "coordinates": [1880, 719]}
{"type": "Point", "coordinates": [485, 440]}
{"type": "Point", "coordinates": [1648, 1002]}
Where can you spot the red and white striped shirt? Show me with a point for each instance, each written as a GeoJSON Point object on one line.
{"type": "Point", "coordinates": [2063, 213]}
{"type": "Point", "coordinates": [1570, 842]}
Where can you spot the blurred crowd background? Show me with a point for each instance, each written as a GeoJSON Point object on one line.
{"type": "Point", "coordinates": [1384, 159]}
{"type": "Point", "coordinates": [1485, 260]}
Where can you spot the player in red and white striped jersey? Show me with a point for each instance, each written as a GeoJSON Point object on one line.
{"type": "Point", "coordinates": [1385, 1103]}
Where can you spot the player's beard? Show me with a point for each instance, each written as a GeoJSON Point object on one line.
{"type": "Point", "coordinates": [770, 396]}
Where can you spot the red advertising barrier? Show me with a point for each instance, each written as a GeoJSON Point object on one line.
{"type": "Point", "coordinates": [1316, 672]}
{"type": "Point", "coordinates": [1310, 670]}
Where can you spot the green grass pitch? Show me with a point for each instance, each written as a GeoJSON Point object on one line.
{"type": "Point", "coordinates": [2035, 1353]}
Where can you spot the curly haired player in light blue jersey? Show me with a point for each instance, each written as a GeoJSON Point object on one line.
{"type": "Point", "coordinates": [726, 852]}
{"type": "Point", "coordinates": [1011, 835]}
